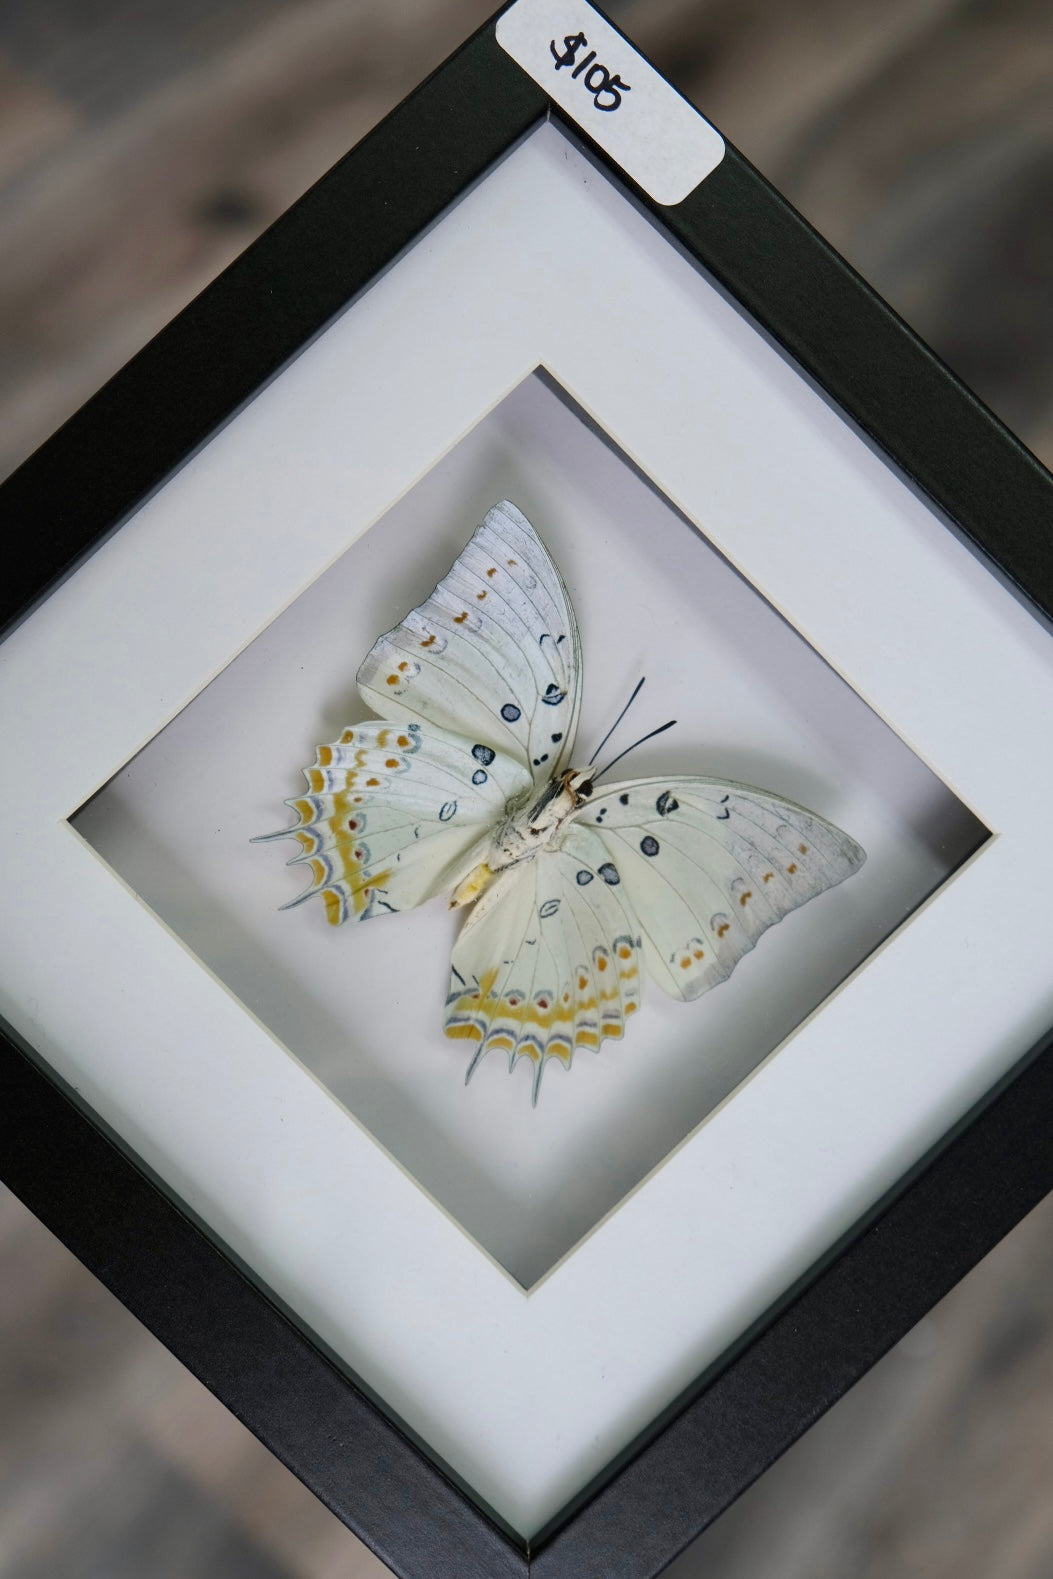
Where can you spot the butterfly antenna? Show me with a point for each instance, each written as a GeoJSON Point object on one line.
{"type": "Point", "coordinates": [659, 731]}
{"type": "Point", "coordinates": [619, 718]}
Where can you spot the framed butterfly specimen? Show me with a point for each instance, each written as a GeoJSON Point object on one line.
{"type": "Point", "coordinates": [204, 555]}
{"type": "Point", "coordinates": [467, 785]}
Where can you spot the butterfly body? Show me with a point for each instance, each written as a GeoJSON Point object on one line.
{"type": "Point", "coordinates": [530, 825]}
{"type": "Point", "coordinates": [464, 786]}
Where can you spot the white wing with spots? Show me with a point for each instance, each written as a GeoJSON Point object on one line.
{"type": "Point", "coordinates": [710, 865]}
{"type": "Point", "coordinates": [548, 960]}
{"type": "Point", "coordinates": [395, 814]}
{"type": "Point", "coordinates": [492, 654]}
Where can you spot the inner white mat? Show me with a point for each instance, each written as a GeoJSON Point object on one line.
{"type": "Point", "coordinates": [528, 1396]}
{"type": "Point", "coordinates": [361, 1007]}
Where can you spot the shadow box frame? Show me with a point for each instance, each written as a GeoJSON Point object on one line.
{"type": "Point", "coordinates": [85, 1182]}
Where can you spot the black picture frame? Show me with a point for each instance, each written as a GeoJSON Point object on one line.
{"type": "Point", "coordinates": [997, 1164]}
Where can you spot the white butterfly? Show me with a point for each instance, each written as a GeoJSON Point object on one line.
{"type": "Point", "coordinates": [467, 785]}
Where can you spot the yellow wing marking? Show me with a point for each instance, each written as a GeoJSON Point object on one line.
{"type": "Point", "coordinates": [481, 1014]}
{"type": "Point", "coordinates": [329, 834]}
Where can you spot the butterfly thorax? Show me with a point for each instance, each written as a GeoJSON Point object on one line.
{"type": "Point", "coordinates": [531, 823]}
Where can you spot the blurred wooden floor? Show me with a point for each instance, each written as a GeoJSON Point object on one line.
{"type": "Point", "coordinates": [142, 146]}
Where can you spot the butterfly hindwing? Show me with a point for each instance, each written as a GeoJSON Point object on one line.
{"type": "Point", "coordinates": [493, 652]}
{"type": "Point", "coordinates": [548, 961]}
{"type": "Point", "coordinates": [710, 865]}
{"type": "Point", "coordinates": [395, 814]}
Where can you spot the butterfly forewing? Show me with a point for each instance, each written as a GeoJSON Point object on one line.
{"type": "Point", "coordinates": [492, 653]}
{"type": "Point", "coordinates": [395, 814]}
{"type": "Point", "coordinates": [710, 865]}
{"type": "Point", "coordinates": [548, 961]}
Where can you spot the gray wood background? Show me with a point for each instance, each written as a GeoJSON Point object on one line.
{"type": "Point", "coordinates": [142, 146]}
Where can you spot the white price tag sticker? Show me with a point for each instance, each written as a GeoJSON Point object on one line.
{"type": "Point", "coordinates": [597, 77]}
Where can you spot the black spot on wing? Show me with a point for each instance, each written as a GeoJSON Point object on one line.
{"type": "Point", "coordinates": [479, 776]}
{"type": "Point", "coordinates": [510, 712]}
{"type": "Point", "coordinates": [549, 908]}
{"type": "Point", "coordinates": [649, 844]}
{"type": "Point", "coordinates": [609, 872]}
{"type": "Point", "coordinates": [447, 811]}
{"type": "Point", "coordinates": [584, 876]}
{"type": "Point", "coordinates": [483, 754]}
{"type": "Point", "coordinates": [666, 803]}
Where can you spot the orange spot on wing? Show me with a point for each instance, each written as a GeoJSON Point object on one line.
{"type": "Point", "coordinates": [601, 963]}
{"type": "Point", "coordinates": [768, 876]}
{"type": "Point", "coordinates": [403, 740]}
{"type": "Point", "coordinates": [685, 964]}
{"type": "Point", "coordinates": [512, 561]}
{"type": "Point", "coordinates": [429, 641]}
{"type": "Point", "coordinates": [722, 930]}
{"type": "Point", "coordinates": [481, 595]}
{"type": "Point", "coordinates": [624, 952]}
{"type": "Point", "coordinates": [792, 868]}
{"type": "Point", "coordinates": [700, 953]}
{"type": "Point", "coordinates": [747, 895]}
{"type": "Point", "coordinates": [393, 679]}
{"type": "Point", "coordinates": [347, 737]}
{"type": "Point", "coordinates": [392, 762]}
{"type": "Point", "coordinates": [459, 619]}
{"type": "Point", "coordinates": [582, 982]}
{"type": "Point", "coordinates": [492, 571]}
{"type": "Point", "coordinates": [325, 756]}
{"type": "Point", "coordinates": [332, 906]}
{"type": "Point", "coordinates": [372, 783]}
{"type": "Point", "coordinates": [803, 849]}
